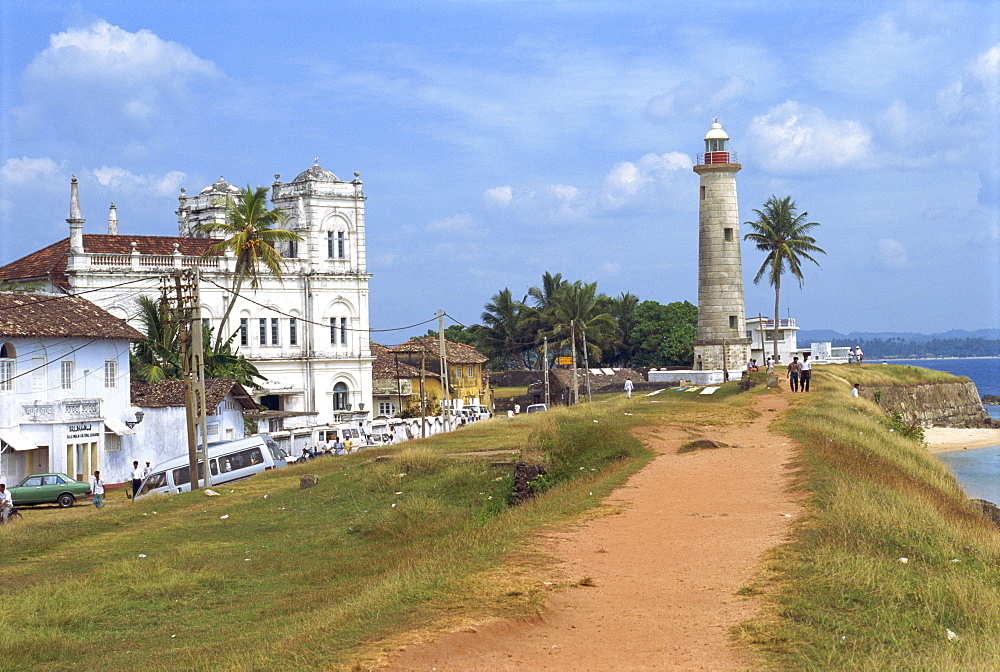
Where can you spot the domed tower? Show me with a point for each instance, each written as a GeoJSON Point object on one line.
{"type": "Point", "coordinates": [207, 206]}
{"type": "Point", "coordinates": [329, 215]}
{"type": "Point", "coordinates": [722, 340]}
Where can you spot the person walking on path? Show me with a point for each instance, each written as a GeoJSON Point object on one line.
{"type": "Point", "coordinates": [851, 357]}
{"type": "Point", "coordinates": [793, 374]}
{"type": "Point", "coordinates": [770, 365]}
{"type": "Point", "coordinates": [860, 356]}
{"type": "Point", "coordinates": [97, 487]}
{"type": "Point", "coordinates": [805, 374]}
{"type": "Point", "coordinates": [136, 478]}
{"type": "Point", "coordinates": [628, 388]}
{"type": "Point", "coordinates": [6, 502]}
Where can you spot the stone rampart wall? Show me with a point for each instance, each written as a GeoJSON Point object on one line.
{"type": "Point", "coordinates": [934, 404]}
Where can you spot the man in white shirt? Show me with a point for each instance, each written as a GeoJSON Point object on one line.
{"type": "Point", "coordinates": [805, 374]}
{"type": "Point", "coordinates": [147, 471]}
{"type": "Point", "coordinates": [6, 502]}
{"type": "Point", "coordinates": [136, 477]}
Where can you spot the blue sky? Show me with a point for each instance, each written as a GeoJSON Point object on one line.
{"type": "Point", "coordinates": [500, 140]}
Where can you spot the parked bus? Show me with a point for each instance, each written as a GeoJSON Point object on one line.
{"type": "Point", "coordinates": [227, 462]}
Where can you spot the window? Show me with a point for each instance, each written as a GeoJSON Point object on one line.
{"type": "Point", "coordinates": [293, 331]}
{"type": "Point", "coordinates": [343, 331]}
{"type": "Point", "coordinates": [340, 245]}
{"type": "Point", "coordinates": [67, 374]}
{"type": "Point", "coordinates": [386, 408]}
{"type": "Point", "coordinates": [275, 336]}
{"type": "Point", "coordinates": [703, 193]}
{"type": "Point", "coordinates": [244, 331]}
{"type": "Point", "coordinates": [727, 233]}
{"type": "Point", "coordinates": [733, 324]}
{"type": "Point", "coordinates": [37, 374]}
{"type": "Point", "coordinates": [263, 330]}
{"type": "Point", "coordinates": [7, 375]}
{"type": "Point", "coordinates": [111, 374]}
{"type": "Point", "coordinates": [293, 249]}
{"type": "Point", "coordinates": [329, 244]}
{"type": "Point", "coordinates": [333, 331]}
{"type": "Point", "coordinates": [471, 373]}
{"type": "Point", "coordinates": [458, 371]}
{"type": "Point", "coordinates": [340, 397]}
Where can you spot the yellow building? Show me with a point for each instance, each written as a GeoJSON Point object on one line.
{"type": "Point", "coordinates": [468, 382]}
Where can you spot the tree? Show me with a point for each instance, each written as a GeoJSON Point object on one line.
{"type": "Point", "coordinates": [250, 236]}
{"type": "Point", "coordinates": [782, 234]}
{"type": "Point", "coordinates": [622, 348]}
{"type": "Point", "coordinates": [580, 304]}
{"type": "Point", "coordinates": [507, 332]}
{"type": "Point", "coordinates": [664, 335]}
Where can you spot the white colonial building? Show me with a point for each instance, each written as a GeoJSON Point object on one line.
{"type": "Point", "coordinates": [307, 334]}
{"type": "Point", "coordinates": [64, 387]}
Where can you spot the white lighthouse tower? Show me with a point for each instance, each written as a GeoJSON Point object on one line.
{"type": "Point", "coordinates": [722, 343]}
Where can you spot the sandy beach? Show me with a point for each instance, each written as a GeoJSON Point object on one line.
{"type": "Point", "coordinates": [943, 439]}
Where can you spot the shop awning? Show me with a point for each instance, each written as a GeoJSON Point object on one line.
{"type": "Point", "coordinates": [16, 440]}
{"type": "Point", "coordinates": [118, 428]}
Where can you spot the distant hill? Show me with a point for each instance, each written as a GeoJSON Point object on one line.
{"type": "Point", "coordinates": [905, 345]}
{"type": "Point", "coordinates": [823, 335]}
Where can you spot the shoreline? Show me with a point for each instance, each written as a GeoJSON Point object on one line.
{"type": "Point", "coordinates": [946, 439]}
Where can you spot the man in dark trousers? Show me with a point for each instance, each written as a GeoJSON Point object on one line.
{"type": "Point", "coordinates": [136, 478]}
{"type": "Point", "coordinates": [805, 373]}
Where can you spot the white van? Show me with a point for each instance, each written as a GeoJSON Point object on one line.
{"type": "Point", "coordinates": [478, 411]}
{"type": "Point", "coordinates": [227, 462]}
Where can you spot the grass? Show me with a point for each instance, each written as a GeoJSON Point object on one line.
{"type": "Point", "coordinates": [270, 576]}
{"type": "Point", "coordinates": [841, 596]}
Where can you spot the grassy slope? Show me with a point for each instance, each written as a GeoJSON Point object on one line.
{"type": "Point", "coordinates": [842, 599]}
{"type": "Point", "coordinates": [322, 577]}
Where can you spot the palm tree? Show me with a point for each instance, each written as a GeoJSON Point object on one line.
{"type": "Point", "coordinates": [159, 356]}
{"type": "Point", "coordinates": [781, 233]}
{"type": "Point", "coordinates": [250, 235]}
{"type": "Point", "coordinates": [580, 304]}
{"type": "Point", "coordinates": [507, 329]}
{"type": "Point", "coordinates": [623, 347]}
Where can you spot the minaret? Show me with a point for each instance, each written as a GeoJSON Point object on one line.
{"type": "Point", "coordinates": [75, 221]}
{"type": "Point", "coordinates": [113, 220]}
{"type": "Point", "coordinates": [722, 340]}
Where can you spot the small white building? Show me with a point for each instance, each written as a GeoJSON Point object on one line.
{"type": "Point", "coordinates": [162, 432]}
{"type": "Point", "coordinates": [64, 386]}
{"type": "Point", "coordinates": [762, 333]}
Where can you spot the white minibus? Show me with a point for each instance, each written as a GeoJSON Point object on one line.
{"type": "Point", "coordinates": [227, 462]}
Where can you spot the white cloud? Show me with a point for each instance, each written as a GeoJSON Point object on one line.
{"type": "Point", "coordinates": [697, 97]}
{"type": "Point", "coordinates": [26, 170]}
{"type": "Point", "coordinates": [461, 222]}
{"type": "Point", "coordinates": [627, 179]}
{"type": "Point", "coordinates": [119, 178]}
{"type": "Point", "coordinates": [499, 195]}
{"type": "Point", "coordinates": [565, 192]}
{"type": "Point", "coordinates": [100, 76]}
{"type": "Point", "coordinates": [892, 254]}
{"type": "Point", "coordinates": [796, 137]}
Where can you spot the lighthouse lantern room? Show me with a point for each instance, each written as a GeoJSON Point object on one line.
{"type": "Point", "coordinates": [717, 146]}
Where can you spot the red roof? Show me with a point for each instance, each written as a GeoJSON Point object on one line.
{"type": "Point", "coordinates": [51, 261]}
{"type": "Point", "coordinates": [53, 316]}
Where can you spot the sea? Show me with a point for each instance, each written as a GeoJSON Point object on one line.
{"type": "Point", "coordinates": [978, 470]}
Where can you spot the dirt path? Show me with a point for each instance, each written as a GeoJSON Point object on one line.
{"type": "Point", "coordinates": [691, 531]}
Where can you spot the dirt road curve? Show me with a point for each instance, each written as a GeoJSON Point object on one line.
{"type": "Point", "coordinates": [692, 530]}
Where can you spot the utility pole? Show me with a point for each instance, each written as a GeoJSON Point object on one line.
{"type": "Point", "coordinates": [586, 363]}
{"type": "Point", "coordinates": [545, 366]}
{"type": "Point", "coordinates": [198, 371]}
{"type": "Point", "coordinates": [184, 296]}
{"type": "Point", "coordinates": [445, 392]}
{"type": "Point", "coordinates": [423, 399]}
{"type": "Point", "coordinates": [576, 381]}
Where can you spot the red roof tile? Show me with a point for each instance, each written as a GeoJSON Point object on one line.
{"type": "Point", "coordinates": [51, 260]}
{"type": "Point", "coordinates": [457, 353]}
{"type": "Point", "coordinates": [167, 393]}
{"type": "Point", "coordinates": [51, 315]}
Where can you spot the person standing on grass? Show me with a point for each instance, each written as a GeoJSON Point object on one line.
{"type": "Point", "coordinates": [793, 374]}
{"type": "Point", "coordinates": [6, 502]}
{"type": "Point", "coordinates": [628, 388]}
{"type": "Point", "coordinates": [857, 390]}
{"type": "Point", "coordinates": [136, 477]}
{"type": "Point", "coordinates": [146, 471]}
{"type": "Point", "coordinates": [97, 487]}
{"type": "Point", "coordinates": [860, 355]}
{"type": "Point", "coordinates": [805, 374]}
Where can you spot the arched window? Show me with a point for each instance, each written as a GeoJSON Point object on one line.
{"type": "Point", "coordinates": [340, 397]}
{"type": "Point", "coordinates": [7, 366]}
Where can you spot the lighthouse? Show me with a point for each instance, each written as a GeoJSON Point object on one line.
{"type": "Point", "coordinates": [722, 342]}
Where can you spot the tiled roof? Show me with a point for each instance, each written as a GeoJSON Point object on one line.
{"type": "Point", "coordinates": [51, 315]}
{"type": "Point", "coordinates": [51, 260]}
{"type": "Point", "coordinates": [167, 393]}
{"type": "Point", "coordinates": [457, 353]}
{"type": "Point", "coordinates": [387, 367]}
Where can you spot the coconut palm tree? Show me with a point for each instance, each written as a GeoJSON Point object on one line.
{"type": "Point", "coordinates": [782, 234]}
{"type": "Point", "coordinates": [159, 356]}
{"type": "Point", "coordinates": [580, 304]}
{"type": "Point", "coordinates": [250, 235]}
{"type": "Point", "coordinates": [508, 329]}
